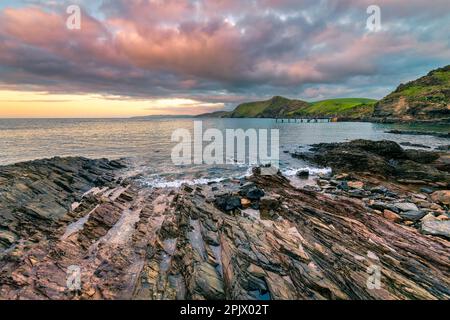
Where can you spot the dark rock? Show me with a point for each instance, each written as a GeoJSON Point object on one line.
{"type": "Point", "coordinates": [381, 206]}
{"type": "Point", "coordinates": [385, 158]}
{"type": "Point", "coordinates": [420, 133]}
{"type": "Point", "coordinates": [415, 145]}
{"type": "Point", "coordinates": [166, 245]}
{"type": "Point", "coordinates": [303, 174]}
{"type": "Point", "coordinates": [268, 205]}
{"type": "Point", "coordinates": [343, 185]}
{"type": "Point", "coordinates": [379, 190]}
{"type": "Point", "coordinates": [443, 148]}
{"type": "Point", "coordinates": [421, 156]}
{"type": "Point", "coordinates": [39, 193]}
{"type": "Point", "coordinates": [413, 215]}
{"type": "Point", "coordinates": [426, 190]}
{"type": "Point", "coordinates": [250, 191]}
{"type": "Point", "coordinates": [228, 202]}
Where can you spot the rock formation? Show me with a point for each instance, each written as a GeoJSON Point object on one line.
{"type": "Point", "coordinates": [257, 238]}
{"type": "Point", "coordinates": [425, 99]}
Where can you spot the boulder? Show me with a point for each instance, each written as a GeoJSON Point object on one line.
{"type": "Point", "coordinates": [228, 202]}
{"type": "Point", "coordinates": [303, 174]}
{"type": "Point", "coordinates": [428, 217]}
{"type": "Point", "coordinates": [426, 190]}
{"type": "Point", "coordinates": [436, 228]}
{"type": "Point", "coordinates": [392, 216]}
{"type": "Point", "coordinates": [385, 158]}
{"type": "Point", "coordinates": [414, 215]}
{"type": "Point", "coordinates": [405, 206]}
{"type": "Point", "coordinates": [252, 192]}
{"type": "Point", "coordinates": [441, 197]}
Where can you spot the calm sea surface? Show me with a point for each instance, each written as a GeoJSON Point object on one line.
{"type": "Point", "coordinates": [148, 145]}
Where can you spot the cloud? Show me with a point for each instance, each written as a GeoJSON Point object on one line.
{"type": "Point", "coordinates": [221, 51]}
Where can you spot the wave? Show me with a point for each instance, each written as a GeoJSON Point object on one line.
{"type": "Point", "coordinates": [162, 183]}
{"type": "Point", "coordinates": [312, 171]}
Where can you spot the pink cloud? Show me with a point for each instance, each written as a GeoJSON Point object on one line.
{"type": "Point", "coordinates": [166, 47]}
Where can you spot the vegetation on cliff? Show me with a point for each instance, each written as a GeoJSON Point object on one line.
{"type": "Point", "coordinates": [427, 98]}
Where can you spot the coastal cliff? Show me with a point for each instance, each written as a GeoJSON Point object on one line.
{"type": "Point", "coordinates": [425, 99]}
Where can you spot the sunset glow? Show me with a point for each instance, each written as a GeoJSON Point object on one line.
{"type": "Point", "coordinates": [20, 104]}
{"type": "Point", "coordinates": [135, 57]}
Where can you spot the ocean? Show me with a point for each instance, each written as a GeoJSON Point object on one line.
{"type": "Point", "coordinates": [147, 143]}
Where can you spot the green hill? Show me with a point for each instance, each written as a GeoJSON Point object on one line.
{"type": "Point", "coordinates": [275, 107]}
{"type": "Point", "coordinates": [283, 107]}
{"type": "Point", "coordinates": [345, 107]}
{"type": "Point", "coordinates": [425, 99]}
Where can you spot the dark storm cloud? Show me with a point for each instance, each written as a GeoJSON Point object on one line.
{"type": "Point", "coordinates": [222, 51]}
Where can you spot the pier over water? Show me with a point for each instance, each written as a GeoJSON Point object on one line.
{"type": "Point", "coordinates": [306, 120]}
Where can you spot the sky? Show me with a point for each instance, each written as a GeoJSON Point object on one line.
{"type": "Point", "coordinates": [144, 57]}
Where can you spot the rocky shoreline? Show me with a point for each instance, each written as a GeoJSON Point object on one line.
{"type": "Point", "coordinates": [382, 208]}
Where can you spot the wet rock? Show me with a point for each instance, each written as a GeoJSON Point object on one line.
{"type": "Point", "coordinates": [385, 158]}
{"type": "Point", "coordinates": [443, 148]}
{"type": "Point", "coordinates": [426, 190]}
{"type": "Point", "coordinates": [415, 145]}
{"type": "Point", "coordinates": [436, 228]}
{"type": "Point", "coordinates": [303, 174]}
{"type": "Point", "coordinates": [38, 194]}
{"type": "Point", "coordinates": [420, 156]}
{"type": "Point", "coordinates": [161, 244]}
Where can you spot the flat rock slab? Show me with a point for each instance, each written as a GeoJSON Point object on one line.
{"type": "Point", "coordinates": [436, 228]}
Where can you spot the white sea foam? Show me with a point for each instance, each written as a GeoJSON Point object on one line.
{"type": "Point", "coordinates": [312, 171]}
{"type": "Point", "coordinates": [162, 183]}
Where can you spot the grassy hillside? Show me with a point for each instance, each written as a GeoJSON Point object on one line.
{"type": "Point", "coordinates": [345, 107]}
{"type": "Point", "coordinates": [352, 108]}
{"type": "Point", "coordinates": [424, 99]}
{"type": "Point", "coordinates": [275, 107]}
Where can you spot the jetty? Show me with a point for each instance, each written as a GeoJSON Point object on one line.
{"type": "Point", "coordinates": [306, 120]}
